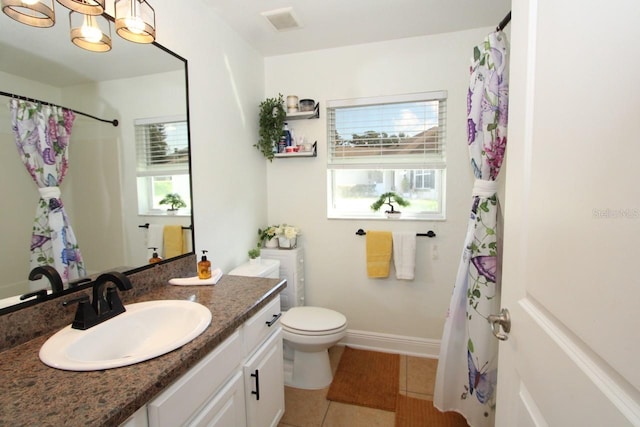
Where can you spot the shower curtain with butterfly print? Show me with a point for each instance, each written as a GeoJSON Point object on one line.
{"type": "Point", "coordinates": [42, 136]}
{"type": "Point", "coordinates": [467, 366]}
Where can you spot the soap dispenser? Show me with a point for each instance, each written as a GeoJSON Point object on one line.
{"type": "Point", "coordinates": [155, 257]}
{"type": "Point", "coordinates": [204, 267]}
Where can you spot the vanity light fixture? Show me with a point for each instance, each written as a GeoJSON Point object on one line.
{"type": "Point", "coordinates": [135, 21]}
{"type": "Point", "coordinates": [90, 32]}
{"type": "Point", "coordinates": [88, 7]}
{"type": "Point", "coordinates": [36, 13]}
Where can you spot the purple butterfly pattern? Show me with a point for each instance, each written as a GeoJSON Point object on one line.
{"type": "Point", "coordinates": [481, 381]}
{"type": "Point", "coordinates": [476, 293]}
{"type": "Point", "coordinates": [42, 136]}
{"type": "Point", "coordinates": [486, 266]}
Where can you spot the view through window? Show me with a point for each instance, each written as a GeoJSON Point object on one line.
{"type": "Point", "coordinates": [383, 144]}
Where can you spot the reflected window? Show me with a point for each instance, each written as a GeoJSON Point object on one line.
{"type": "Point", "coordinates": [162, 151]}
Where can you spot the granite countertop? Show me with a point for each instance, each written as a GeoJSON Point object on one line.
{"type": "Point", "coordinates": [32, 393]}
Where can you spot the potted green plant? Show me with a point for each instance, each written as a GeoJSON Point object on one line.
{"type": "Point", "coordinates": [390, 198]}
{"type": "Point", "coordinates": [254, 255]}
{"type": "Point", "coordinates": [272, 116]}
{"type": "Point", "coordinates": [267, 236]}
{"type": "Point", "coordinates": [174, 201]}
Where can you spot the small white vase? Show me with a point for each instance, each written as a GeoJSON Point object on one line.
{"type": "Point", "coordinates": [253, 261]}
{"type": "Point", "coordinates": [271, 243]}
{"type": "Point", "coordinates": [394, 215]}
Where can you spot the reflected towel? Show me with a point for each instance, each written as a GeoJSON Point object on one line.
{"type": "Point", "coordinates": [404, 255]}
{"type": "Point", "coordinates": [173, 241]}
{"type": "Point", "coordinates": [155, 239]}
{"type": "Point", "coordinates": [379, 245]}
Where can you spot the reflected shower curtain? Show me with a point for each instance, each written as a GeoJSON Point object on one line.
{"type": "Point", "coordinates": [467, 366]}
{"type": "Point", "coordinates": [42, 134]}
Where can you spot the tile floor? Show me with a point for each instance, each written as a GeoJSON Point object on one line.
{"type": "Point", "coordinates": [310, 408]}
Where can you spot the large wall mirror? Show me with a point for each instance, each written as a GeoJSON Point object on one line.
{"type": "Point", "coordinates": [108, 198]}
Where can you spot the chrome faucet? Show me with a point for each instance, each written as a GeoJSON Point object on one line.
{"type": "Point", "coordinates": [50, 273]}
{"type": "Point", "coordinates": [105, 305]}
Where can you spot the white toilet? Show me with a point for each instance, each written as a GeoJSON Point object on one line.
{"type": "Point", "coordinates": [308, 333]}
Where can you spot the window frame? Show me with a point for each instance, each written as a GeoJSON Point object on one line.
{"type": "Point", "coordinates": [437, 165]}
{"type": "Point", "coordinates": [145, 176]}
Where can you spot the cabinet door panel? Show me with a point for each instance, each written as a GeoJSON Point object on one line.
{"type": "Point", "coordinates": [226, 409]}
{"type": "Point", "coordinates": [267, 382]}
{"type": "Point", "coordinates": [183, 398]}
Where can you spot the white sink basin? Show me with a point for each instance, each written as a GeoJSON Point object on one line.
{"type": "Point", "coordinates": [146, 330]}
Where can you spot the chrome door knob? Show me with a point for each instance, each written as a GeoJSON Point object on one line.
{"type": "Point", "coordinates": [502, 320]}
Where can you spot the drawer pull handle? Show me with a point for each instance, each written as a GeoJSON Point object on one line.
{"type": "Point", "coordinates": [256, 375]}
{"type": "Point", "coordinates": [274, 320]}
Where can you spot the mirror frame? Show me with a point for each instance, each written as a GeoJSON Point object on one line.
{"type": "Point", "coordinates": [88, 284]}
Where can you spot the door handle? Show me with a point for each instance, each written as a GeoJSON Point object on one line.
{"type": "Point", "coordinates": [256, 375]}
{"type": "Point", "coordinates": [273, 320]}
{"type": "Point", "coordinates": [500, 320]}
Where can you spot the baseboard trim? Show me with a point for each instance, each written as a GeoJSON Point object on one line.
{"type": "Point", "coordinates": [388, 343]}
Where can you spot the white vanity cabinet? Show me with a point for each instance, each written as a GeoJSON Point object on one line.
{"type": "Point", "coordinates": [292, 269]}
{"type": "Point", "coordinates": [222, 389]}
{"type": "Point", "coordinates": [263, 367]}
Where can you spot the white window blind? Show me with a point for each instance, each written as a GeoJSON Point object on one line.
{"type": "Point", "coordinates": [400, 131]}
{"type": "Point", "coordinates": [162, 145]}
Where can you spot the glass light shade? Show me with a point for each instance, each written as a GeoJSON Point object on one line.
{"type": "Point", "coordinates": [36, 14]}
{"type": "Point", "coordinates": [88, 7]}
{"type": "Point", "coordinates": [135, 21]}
{"type": "Point", "coordinates": [90, 32]}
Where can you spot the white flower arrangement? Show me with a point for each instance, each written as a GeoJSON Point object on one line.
{"type": "Point", "coordinates": [288, 231]}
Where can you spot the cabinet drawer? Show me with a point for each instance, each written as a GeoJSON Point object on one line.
{"type": "Point", "coordinates": [257, 328]}
{"type": "Point", "coordinates": [183, 398]}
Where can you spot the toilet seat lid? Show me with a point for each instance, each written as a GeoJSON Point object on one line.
{"type": "Point", "coordinates": [313, 319]}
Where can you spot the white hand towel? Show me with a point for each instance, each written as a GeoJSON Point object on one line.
{"type": "Point", "coordinates": [404, 255]}
{"type": "Point", "coordinates": [196, 281]}
{"type": "Point", "coordinates": [155, 239]}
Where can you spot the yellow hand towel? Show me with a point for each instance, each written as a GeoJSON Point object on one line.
{"type": "Point", "coordinates": [379, 244]}
{"type": "Point", "coordinates": [173, 244]}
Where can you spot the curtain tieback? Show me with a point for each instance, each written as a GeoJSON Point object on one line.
{"type": "Point", "coordinates": [48, 193]}
{"type": "Point", "coordinates": [484, 188]}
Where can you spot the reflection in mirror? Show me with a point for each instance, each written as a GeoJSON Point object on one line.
{"type": "Point", "coordinates": [112, 191]}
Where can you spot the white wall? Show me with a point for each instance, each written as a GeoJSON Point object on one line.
{"type": "Point", "coordinates": [335, 256]}
{"type": "Point", "coordinates": [151, 96]}
{"type": "Point", "coordinates": [226, 85]}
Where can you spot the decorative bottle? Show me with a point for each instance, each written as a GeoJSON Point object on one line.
{"type": "Point", "coordinates": [204, 267]}
{"type": "Point", "coordinates": [155, 257]}
{"type": "Point", "coordinates": [287, 134]}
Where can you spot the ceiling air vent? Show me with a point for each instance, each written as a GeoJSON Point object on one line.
{"type": "Point", "coordinates": [282, 19]}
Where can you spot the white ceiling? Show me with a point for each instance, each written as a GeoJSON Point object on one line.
{"type": "Point", "coordinates": [333, 23]}
{"type": "Point", "coordinates": [46, 54]}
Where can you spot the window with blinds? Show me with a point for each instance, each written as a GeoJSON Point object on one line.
{"type": "Point", "coordinates": [162, 154]}
{"type": "Point", "coordinates": [382, 144]}
{"type": "Point", "coordinates": [162, 146]}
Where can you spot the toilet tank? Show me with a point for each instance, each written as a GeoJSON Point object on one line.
{"type": "Point", "coordinates": [269, 268]}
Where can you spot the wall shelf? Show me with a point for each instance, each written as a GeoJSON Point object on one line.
{"type": "Point", "coordinates": [312, 153]}
{"type": "Point", "coordinates": [315, 114]}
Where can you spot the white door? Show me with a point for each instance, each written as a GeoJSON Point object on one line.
{"type": "Point", "coordinates": [572, 217]}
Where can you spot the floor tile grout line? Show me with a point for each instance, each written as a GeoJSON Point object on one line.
{"type": "Point", "coordinates": [324, 417]}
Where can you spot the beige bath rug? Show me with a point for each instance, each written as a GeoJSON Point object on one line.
{"type": "Point", "coordinates": [366, 378]}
